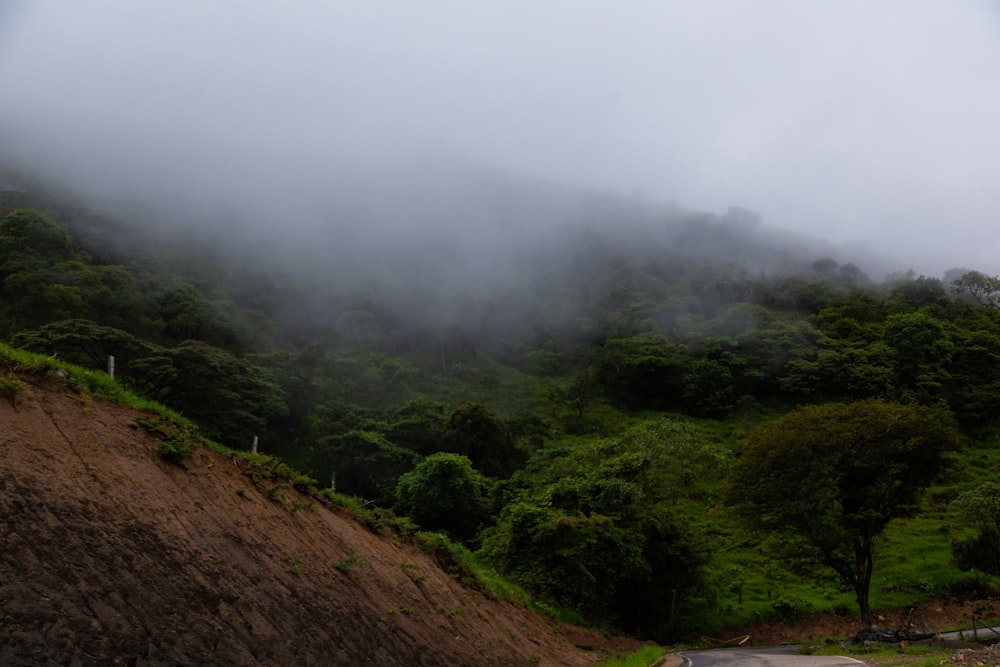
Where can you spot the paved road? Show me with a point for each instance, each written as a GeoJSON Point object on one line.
{"type": "Point", "coordinates": [787, 656]}
{"type": "Point", "coordinates": [763, 657]}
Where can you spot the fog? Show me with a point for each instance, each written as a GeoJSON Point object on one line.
{"type": "Point", "coordinates": [852, 121]}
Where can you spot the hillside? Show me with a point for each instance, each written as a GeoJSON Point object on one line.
{"type": "Point", "coordinates": [568, 409]}
{"type": "Point", "coordinates": [113, 555]}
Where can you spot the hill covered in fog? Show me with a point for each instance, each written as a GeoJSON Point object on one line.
{"type": "Point", "coordinates": [553, 353]}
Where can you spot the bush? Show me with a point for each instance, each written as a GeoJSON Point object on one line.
{"type": "Point", "coordinates": [981, 552]}
{"type": "Point", "coordinates": [787, 608]}
{"type": "Point", "coordinates": [444, 492]}
{"type": "Point", "coordinates": [177, 442]}
{"type": "Point", "coordinates": [10, 387]}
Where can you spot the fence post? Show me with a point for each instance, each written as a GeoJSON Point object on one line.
{"type": "Point", "coordinates": [111, 365]}
{"type": "Point", "coordinates": [253, 450]}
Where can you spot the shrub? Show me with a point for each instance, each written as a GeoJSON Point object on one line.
{"type": "Point", "coordinates": [10, 387]}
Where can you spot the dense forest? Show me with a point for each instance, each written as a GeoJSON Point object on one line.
{"type": "Point", "coordinates": [634, 412]}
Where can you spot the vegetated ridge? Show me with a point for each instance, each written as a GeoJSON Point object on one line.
{"type": "Point", "coordinates": [568, 405]}
{"type": "Point", "coordinates": [113, 555]}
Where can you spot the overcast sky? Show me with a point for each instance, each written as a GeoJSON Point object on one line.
{"type": "Point", "coordinates": [869, 120]}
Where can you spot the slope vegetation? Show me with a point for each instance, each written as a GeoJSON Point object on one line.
{"type": "Point", "coordinates": [114, 556]}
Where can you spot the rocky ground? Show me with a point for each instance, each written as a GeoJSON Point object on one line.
{"type": "Point", "coordinates": [113, 556]}
{"type": "Point", "coordinates": [971, 657]}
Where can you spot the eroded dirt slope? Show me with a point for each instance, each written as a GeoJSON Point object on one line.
{"type": "Point", "coordinates": [109, 555]}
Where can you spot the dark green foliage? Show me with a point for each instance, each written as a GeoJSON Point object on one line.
{"type": "Point", "coordinates": [46, 279]}
{"type": "Point", "coordinates": [421, 425]}
{"type": "Point", "coordinates": [445, 493]}
{"type": "Point", "coordinates": [915, 293]}
{"type": "Point", "coordinates": [89, 344]}
{"type": "Point", "coordinates": [365, 377]}
{"type": "Point", "coordinates": [833, 476]}
{"type": "Point", "coordinates": [187, 314]}
{"type": "Point", "coordinates": [577, 397]}
{"type": "Point", "coordinates": [980, 507]}
{"type": "Point", "coordinates": [177, 441]}
{"type": "Point", "coordinates": [709, 390]}
{"type": "Point", "coordinates": [975, 367]}
{"type": "Point", "coordinates": [29, 241]}
{"type": "Point", "coordinates": [365, 464]}
{"type": "Point", "coordinates": [10, 387]}
{"type": "Point", "coordinates": [922, 351]}
{"type": "Point", "coordinates": [643, 372]}
{"type": "Point", "coordinates": [478, 432]}
{"type": "Point", "coordinates": [229, 397]}
{"type": "Point", "coordinates": [572, 558]}
{"type": "Point", "coordinates": [980, 552]}
{"type": "Point", "coordinates": [600, 527]}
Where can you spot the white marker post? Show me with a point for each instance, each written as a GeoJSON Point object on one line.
{"type": "Point", "coordinates": [254, 449]}
{"type": "Point", "coordinates": [111, 365]}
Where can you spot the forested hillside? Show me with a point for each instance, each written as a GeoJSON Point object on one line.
{"type": "Point", "coordinates": [568, 400]}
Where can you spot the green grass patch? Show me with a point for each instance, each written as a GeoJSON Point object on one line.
{"type": "Point", "coordinates": [644, 657]}
{"type": "Point", "coordinates": [883, 655]}
{"type": "Point", "coordinates": [348, 563]}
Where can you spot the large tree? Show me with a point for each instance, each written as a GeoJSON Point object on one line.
{"type": "Point", "coordinates": [831, 478]}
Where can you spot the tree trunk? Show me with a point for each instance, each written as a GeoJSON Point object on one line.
{"type": "Point", "coordinates": [863, 579]}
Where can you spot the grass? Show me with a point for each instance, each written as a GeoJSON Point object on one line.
{"type": "Point", "coordinates": [644, 657]}
{"type": "Point", "coordinates": [348, 563]}
{"type": "Point", "coordinates": [81, 380]}
{"type": "Point", "coordinates": [887, 655]}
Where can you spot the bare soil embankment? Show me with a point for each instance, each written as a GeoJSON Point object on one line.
{"type": "Point", "coordinates": [111, 555]}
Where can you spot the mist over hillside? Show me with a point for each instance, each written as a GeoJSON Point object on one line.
{"type": "Point", "coordinates": [533, 274]}
{"type": "Point", "coordinates": [435, 246]}
{"type": "Point", "coordinates": [382, 117]}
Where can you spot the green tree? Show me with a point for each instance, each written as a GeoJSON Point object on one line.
{"type": "Point", "coordinates": [980, 507]}
{"type": "Point", "coordinates": [478, 432]}
{"type": "Point", "coordinates": [444, 492]}
{"type": "Point", "coordinates": [601, 527]}
{"type": "Point", "coordinates": [578, 396]}
{"type": "Point", "coordinates": [365, 463]}
{"type": "Point", "coordinates": [187, 314]}
{"type": "Point", "coordinates": [420, 425]}
{"type": "Point", "coordinates": [922, 351]}
{"type": "Point", "coordinates": [975, 368]}
{"type": "Point", "coordinates": [88, 344]}
{"type": "Point", "coordinates": [574, 558]}
{"type": "Point", "coordinates": [983, 289]}
{"type": "Point", "coordinates": [30, 240]}
{"type": "Point", "coordinates": [708, 388]}
{"type": "Point", "coordinates": [833, 476]}
{"type": "Point", "coordinates": [644, 371]}
{"type": "Point", "coordinates": [229, 397]}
